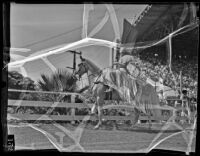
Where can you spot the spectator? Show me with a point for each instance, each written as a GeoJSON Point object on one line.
{"type": "Point", "coordinates": [154, 68]}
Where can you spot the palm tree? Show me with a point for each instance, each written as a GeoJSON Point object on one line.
{"type": "Point", "coordinates": [59, 81]}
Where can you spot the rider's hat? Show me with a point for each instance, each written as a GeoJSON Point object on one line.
{"type": "Point", "coordinates": [124, 51]}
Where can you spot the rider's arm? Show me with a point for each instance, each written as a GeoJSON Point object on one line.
{"type": "Point", "coordinates": [120, 64]}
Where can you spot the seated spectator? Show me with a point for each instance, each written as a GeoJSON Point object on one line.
{"type": "Point", "coordinates": [154, 68]}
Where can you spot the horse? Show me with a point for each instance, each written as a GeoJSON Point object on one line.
{"type": "Point", "coordinates": [141, 96]}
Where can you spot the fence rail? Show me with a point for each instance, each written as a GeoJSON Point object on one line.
{"type": "Point", "coordinates": [34, 117]}
{"type": "Point", "coordinates": [47, 104]}
{"type": "Point", "coordinates": [73, 106]}
{"type": "Point", "coordinates": [26, 103]}
{"type": "Point", "coordinates": [73, 117]}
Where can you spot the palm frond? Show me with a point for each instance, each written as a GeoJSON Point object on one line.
{"type": "Point", "coordinates": [61, 80]}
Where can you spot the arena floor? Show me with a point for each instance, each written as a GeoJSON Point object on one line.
{"type": "Point", "coordinates": [108, 139]}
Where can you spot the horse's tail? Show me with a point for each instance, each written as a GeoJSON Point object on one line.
{"type": "Point", "coordinates": [147, 100]}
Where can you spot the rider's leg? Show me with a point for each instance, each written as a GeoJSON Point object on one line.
{"type": "Point", "coordinates": [109, 89]}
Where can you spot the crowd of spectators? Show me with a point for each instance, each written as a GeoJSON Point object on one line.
{"type": "Point", "coordinates": [155, 68]}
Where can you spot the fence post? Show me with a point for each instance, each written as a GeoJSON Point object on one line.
{"type": "Point", "coordinates": [182, 106]}
{"type": "Point", "coordinates": [174, 114]}
{"type": "Point", "coordinates": [112, 57]}
{"type": "Point", "coordinates": [180, 83]}
{"type": "Point", "coordinates": [73, 109]}
{"type": "Point", "coordinates": [188, 110]}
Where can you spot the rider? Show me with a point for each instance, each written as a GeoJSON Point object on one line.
{"type": "Point", "coordinates": [128, 64]}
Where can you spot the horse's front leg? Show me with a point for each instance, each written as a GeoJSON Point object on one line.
{"type": "Point", "coordinates": [99, 109]}
{"type": "Point", "coordinates": [93, 109]}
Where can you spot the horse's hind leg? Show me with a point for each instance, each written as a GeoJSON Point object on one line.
{"type": "Point", "coordinates": [150, 124]}
{"type": "Point", "coordinates": [135, 115]}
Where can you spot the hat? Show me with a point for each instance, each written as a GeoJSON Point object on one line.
{"type": "Point", "coordinates": [124, 51]}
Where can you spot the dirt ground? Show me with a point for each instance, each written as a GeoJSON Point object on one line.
{"type": "Point", "coordinates": [121, 139]}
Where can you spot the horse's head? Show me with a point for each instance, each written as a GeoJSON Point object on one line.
{"type": "Point", "coordinates": [82, 69]}
{"type": "Point", "coordinates": [85, 66]}
{"type": "Point", "coordinates": [74, 77]}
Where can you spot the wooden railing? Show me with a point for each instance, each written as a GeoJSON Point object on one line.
{"type": "Point", "coordinates": [73, 106]}
{"type": "Point", "coordinates": [73, 116]}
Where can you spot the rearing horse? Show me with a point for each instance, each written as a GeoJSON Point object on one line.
{"type": "Point", "coordinates": [124, 88]}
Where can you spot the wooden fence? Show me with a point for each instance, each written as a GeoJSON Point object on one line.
{"type": "Point", "coordinates": [73, 106]}
{"type": "Point", "coordinates": [74, 117]}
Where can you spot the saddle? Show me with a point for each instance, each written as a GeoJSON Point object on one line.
{"type": "Point", "coordinates": [115, 77]}
{"type": "Point", "coordinates": [108, 91]}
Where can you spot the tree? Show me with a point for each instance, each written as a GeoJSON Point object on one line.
{"type": "Point", "coordinates": [18, 81]}
{"type": "Point", "coordinates": [59, 81]}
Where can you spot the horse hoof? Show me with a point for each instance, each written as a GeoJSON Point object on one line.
{"type": "Point", "coordinates": [96, 127]}
{"type": "Point", "coordinates": [91, 113]}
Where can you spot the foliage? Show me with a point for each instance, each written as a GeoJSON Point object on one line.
{"type": "Point", "coordinates": [18, 81]}
{"type": "Point", "coordinates": [59, 81]}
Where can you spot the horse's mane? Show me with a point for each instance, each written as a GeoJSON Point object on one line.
{"type": "Point", "coordinates": [92, 66]}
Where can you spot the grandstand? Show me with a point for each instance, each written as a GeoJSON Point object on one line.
{"type": "Point", "coordinates": [164, 53]}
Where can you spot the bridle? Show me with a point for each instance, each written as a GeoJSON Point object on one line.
{"type": "Point", "coordinates": [86, 69]}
